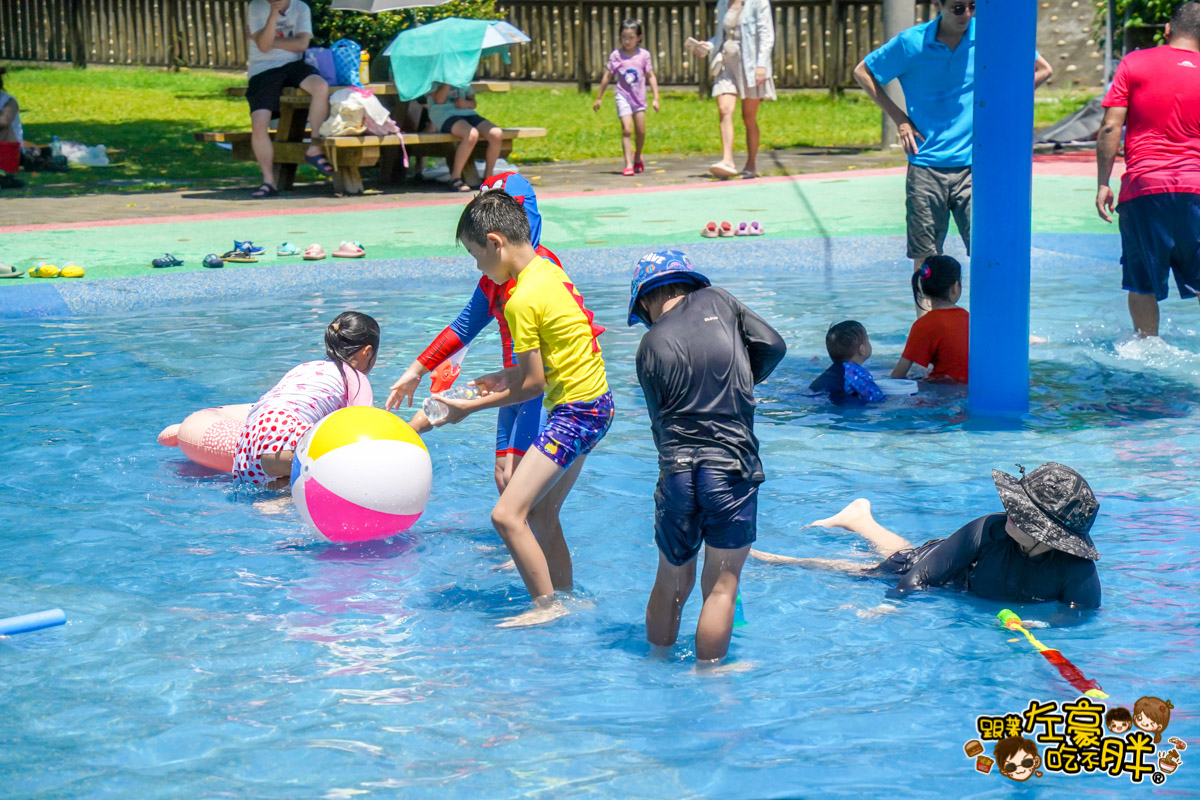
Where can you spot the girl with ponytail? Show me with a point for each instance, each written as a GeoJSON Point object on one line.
{"type": "Point", "coordinates": [939, 338]}
{"type": "Point", "coordinates": [305, 395]}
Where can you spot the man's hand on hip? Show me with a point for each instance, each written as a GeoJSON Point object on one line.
{"type": "Point", "coordinates": [909, 136]}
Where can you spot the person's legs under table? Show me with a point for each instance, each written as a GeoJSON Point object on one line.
{"type": "Point", "coordinates": [260, 142]}
{"type": "Point", "coordinates": [318, 112]}
{"type": "Point", "coordinates": [494, 136]}
{"type": "Point", "coordinates": [468, 137]}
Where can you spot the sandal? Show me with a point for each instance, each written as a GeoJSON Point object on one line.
{"type": "Point", "coordinates": [287, 249]}
{"type": "Point", "coordinates": [627, 171]}
{"type": "Point", "coordinates": [314, 253]}
{"type": "Point", "coordinates": [710, 231]}
{"type": "Point", "coordinates": [213, 261]}
{"type": "Point", "coordinates": [349, 250]}
{"type": "Point", "coordinates": [755, 229]}
{"type": "Point", "coordinates": [722, 170]}
{"type": "Point", "coordinates": [238, 257]}
{"type": "Point", "coordinates": [264, 191]}
{"type": "Point", "coordinates": [459, 185]}
{"type": "Point", "coordinates": [726, 229]}
{"type": "Point", "coordinates": [166, 260]}
{"type": "Point", "coordinates": [638, 166]}
{"type": "Point", "coordinates": [320, 163]}
{"type": "Point", "coordinates": [742, 229]}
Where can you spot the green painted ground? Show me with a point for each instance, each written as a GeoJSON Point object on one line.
{"type": "Point", "coordinates": [850, 206]}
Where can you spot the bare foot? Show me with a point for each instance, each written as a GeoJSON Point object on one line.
{"type": "Point", "coordinates": [855, 513]}
{"type": "Point", "coordinates": [1036, 339]}
{"type": "Point", "coordinates": [547, 610]}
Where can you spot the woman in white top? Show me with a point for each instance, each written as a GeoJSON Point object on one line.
{"type": "Point", "coordinates": [740, 56]}
{"type": "Point", "coordinates": [10, 115]}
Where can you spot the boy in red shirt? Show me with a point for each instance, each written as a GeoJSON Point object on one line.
{"type": "Point", "coordinates": [1156, 95]}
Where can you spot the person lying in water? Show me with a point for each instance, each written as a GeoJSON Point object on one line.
{"type": "Point", "coordinates": [1039, 550]}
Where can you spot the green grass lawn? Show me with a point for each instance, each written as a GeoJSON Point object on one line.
{"type": "Point", "coordinates": [146, 117]}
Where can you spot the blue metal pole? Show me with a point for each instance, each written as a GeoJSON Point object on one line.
{"type": "Point", "coordinates": [1002, 207]}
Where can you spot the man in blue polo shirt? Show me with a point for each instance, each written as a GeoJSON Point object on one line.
{"type": "Point", "coordinates": [935, 63]}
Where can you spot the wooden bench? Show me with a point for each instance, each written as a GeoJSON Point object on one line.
{"type": "Point", "coordinates": [348, 153]}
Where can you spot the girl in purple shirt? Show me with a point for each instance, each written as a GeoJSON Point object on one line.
{"type": "Point", "coordinates": [630, 69]}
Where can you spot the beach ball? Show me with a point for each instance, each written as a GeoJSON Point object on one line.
{"type": "Point", "coordinates": [361, 473]}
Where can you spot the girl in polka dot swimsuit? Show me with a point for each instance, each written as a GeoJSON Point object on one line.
{"type": "Point", "coordinates": [308, 393]}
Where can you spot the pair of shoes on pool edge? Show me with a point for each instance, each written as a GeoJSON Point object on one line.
{"type": "Point", "coordinates": [44, 270]}
{"type": "Point", "coordinates": [346, 250]}
{"type": "Point", "coordinates": [712, 230]}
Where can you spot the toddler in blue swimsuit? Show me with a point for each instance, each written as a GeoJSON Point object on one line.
{"type": "Point", "coordinates": [846, 381]}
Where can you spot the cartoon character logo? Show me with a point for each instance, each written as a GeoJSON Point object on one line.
{"type": "Point", "coordinates": [1152, 715]}
{"type": "Point", "coordinates": [1118, 719]}
{"type": "Point", "coordinates": [1017, 758]}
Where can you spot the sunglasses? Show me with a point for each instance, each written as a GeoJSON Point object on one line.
{"type": "Point", "coordinates": [1011, 766]}
{"type": "Point", "coordinates": [961, 8]}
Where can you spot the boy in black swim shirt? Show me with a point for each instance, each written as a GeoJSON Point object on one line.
{"type": "Point", "coordinates": [698, 365]}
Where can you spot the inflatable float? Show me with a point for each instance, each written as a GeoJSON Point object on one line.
{"type": "Point", "coordinates": [208, 436]}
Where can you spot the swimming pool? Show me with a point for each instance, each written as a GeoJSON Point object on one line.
{"type": "Point", "coordinates": [215, 648]}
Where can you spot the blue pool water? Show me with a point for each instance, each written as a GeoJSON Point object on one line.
{"type": "Point", "coordinates": [217, 649]}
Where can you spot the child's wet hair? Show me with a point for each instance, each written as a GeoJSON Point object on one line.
{"type": "Point", "coordinates": [493, 212]}
{"type": "Point", "coordinates": [350, 332]}
{"type": "Point", "coordinates": [843, 340]}
{"type": "Point", "coordinates": [632, 24]}
{"type": "Point", "coordinates": [936, 278]}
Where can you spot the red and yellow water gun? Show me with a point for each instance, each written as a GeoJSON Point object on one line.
{"type": "Point", "coordinates": [1065, 668]}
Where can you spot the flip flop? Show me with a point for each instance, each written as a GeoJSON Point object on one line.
{"type": "Point", "coordinates": [71, 270]}
{"type": "Point", "coordinates": [166, 260]}
{"type": "Point", "coordinates": [458, 185]}
{"type": "Point", "coordinates": [213, 261]}
{"type": "Point", "coordinates": [264, 192]}
{"type": "Point", "coordinates": [722, 170]}
{"type": "Point", "coordinates": [638, 166]}
{"type": "Point", "coordinates": [7, 271]}
{"type": "Point", "coordinates": [287, 249]}
{"type": "Point", "coordinates": [627, 171]}
{"type": "Point", "coordinates": [320, 164]}
{"type": "Point", "coordinates": [238, 257]}
{"type": "Point", "coordinates": [710, 231]}
{"type": "Point", "coordinates": [726, 229]}
{"type": "Point", "coordinates": [349, 250]}
{"type": "Point", "coordinates": [742, 229]}
{"type": "Point", "coordinates": [748, 174]}
{"type": "Point", "coordinates": [314, 253]}
{"type": "Point", "coordinates": [755, 229]}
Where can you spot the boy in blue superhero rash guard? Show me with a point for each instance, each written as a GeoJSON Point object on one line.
{"type": "Point", "coordinates": [846, 381]}
{"type": "Point", "coordinates": [698, 366]}
{"type": "Point", "coordinates": [516, 425]}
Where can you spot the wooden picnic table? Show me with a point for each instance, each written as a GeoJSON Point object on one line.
{"type": "Point", "coordinates": [293, 122]}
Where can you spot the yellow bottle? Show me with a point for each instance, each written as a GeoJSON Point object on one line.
{"type": "Point", "coordinates": [364, 68]}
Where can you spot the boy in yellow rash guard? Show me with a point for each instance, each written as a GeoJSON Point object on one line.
{"type": "Point", "coordinates": [554, 343]}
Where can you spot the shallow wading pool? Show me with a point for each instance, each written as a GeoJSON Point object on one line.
{"type": "Point", "coordinates": [216, 648]}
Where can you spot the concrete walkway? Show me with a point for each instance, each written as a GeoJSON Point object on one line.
{"type": "Point", "coordinates": [574, 176]}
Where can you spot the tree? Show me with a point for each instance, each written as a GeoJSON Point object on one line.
{"type": "Point", "coordinates": [374, 32]}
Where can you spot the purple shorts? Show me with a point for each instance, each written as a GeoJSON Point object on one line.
{"type": "Point", "coordinates": [573, 429]}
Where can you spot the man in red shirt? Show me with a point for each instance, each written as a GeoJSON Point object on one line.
{"type": "Point", "coordinates": [1156, 95]}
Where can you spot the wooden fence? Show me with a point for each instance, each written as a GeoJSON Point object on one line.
{"type": "Point", "coordinates": [817, 42]}
{"type": "Point", "coordinates": [196, 33]}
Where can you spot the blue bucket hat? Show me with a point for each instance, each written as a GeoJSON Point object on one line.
{"type": "Point", "coordinates": [520, 190]}
{"type": "Point", "coordinates": [657, 269]}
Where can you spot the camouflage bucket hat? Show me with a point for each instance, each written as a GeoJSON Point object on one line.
{"type": "Point", "coordinates": [1054, 505]}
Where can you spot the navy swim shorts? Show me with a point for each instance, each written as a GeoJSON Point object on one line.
{"type": "Point", "coordinates": [1160, 234]}
{"type": "Point", "coordinates": [703, 506]}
